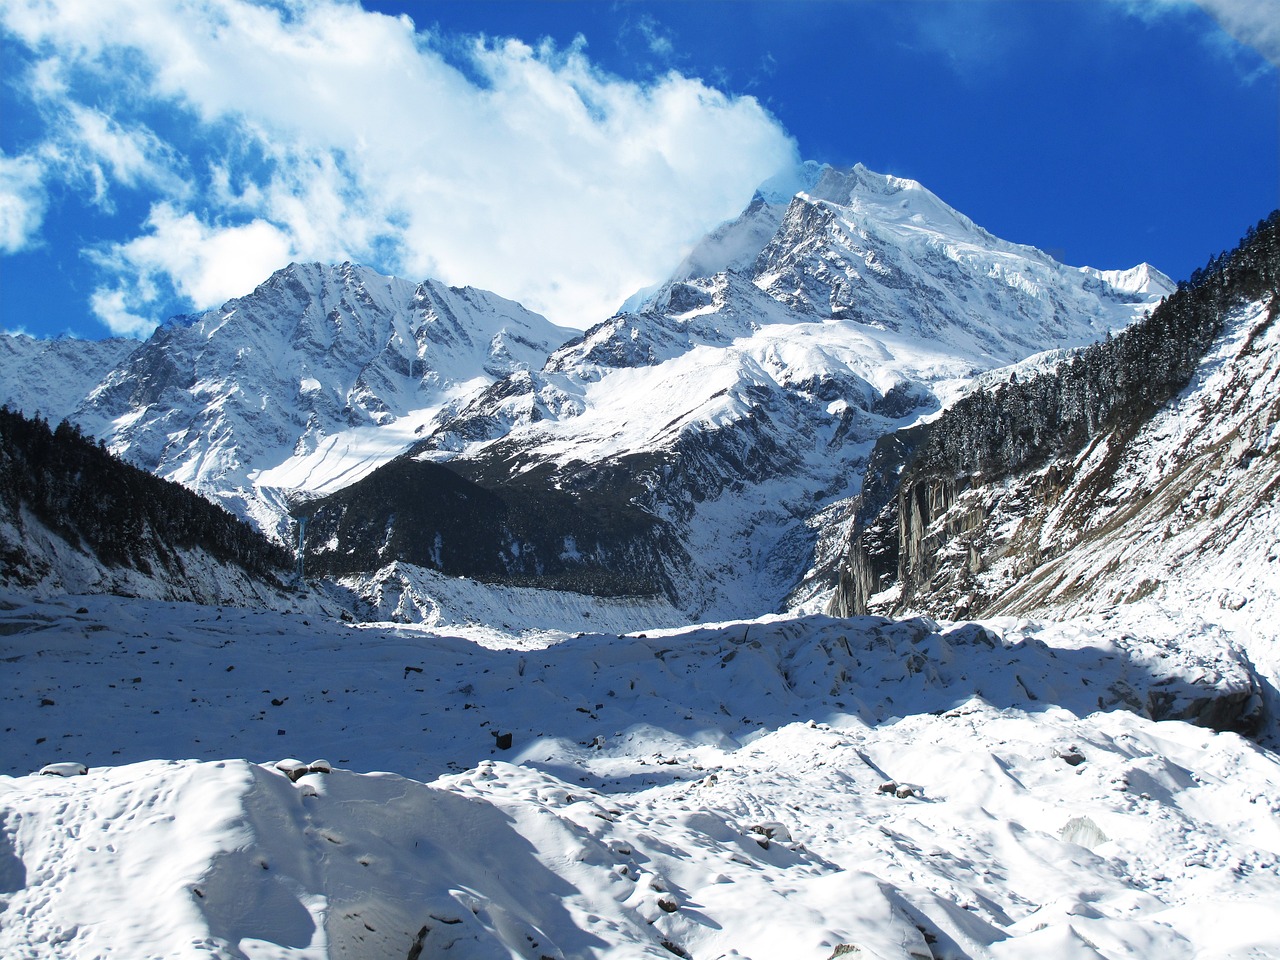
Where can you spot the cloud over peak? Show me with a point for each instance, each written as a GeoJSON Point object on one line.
{"type": "Point", "coordinates": [262, 132]}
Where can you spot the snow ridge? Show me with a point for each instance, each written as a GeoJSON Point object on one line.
{"type": "Point", "coordinates": [307, 384]}
{"type": "Point", "coordinates": [747, 402]}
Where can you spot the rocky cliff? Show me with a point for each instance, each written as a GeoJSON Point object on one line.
{"type": "Point", "coordinates": [1144, 468]}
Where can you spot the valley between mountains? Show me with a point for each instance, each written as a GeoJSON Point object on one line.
{"type": "Point", "coordinates": [872, 587]}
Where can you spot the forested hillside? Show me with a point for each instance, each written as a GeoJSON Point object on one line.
{"type": "Point", "coordinates": [1054, 456]}
{"type": "Point", "coordinates": [1122, 380]}
{"type": "Point", "coordinates": [61, 481]}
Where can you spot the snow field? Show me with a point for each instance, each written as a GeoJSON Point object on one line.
{"type": "Point", "coordinates": [718, 789]}
{"type": "Point", "coordinates": [494, 615]}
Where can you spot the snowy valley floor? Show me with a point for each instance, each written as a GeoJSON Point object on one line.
{"type": "Point", "coordinates": [781, 788]}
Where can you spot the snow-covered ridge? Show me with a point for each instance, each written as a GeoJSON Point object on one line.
{"type": "Point", "coordinates": [52, 377]}
{"type": "Point", "coordinates": [308, 383]}
{"type": "Point", "coordinates": [744, 394]}
{"type": "Point", "coordinates": [887, 252]}
{"type": "Point", "coordinates": [760, 389]}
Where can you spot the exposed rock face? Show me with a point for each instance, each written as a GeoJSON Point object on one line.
{"type": "Point", "coordinates": [1117, 495]}
{"type": "Point", "coordinates": [744, 406]}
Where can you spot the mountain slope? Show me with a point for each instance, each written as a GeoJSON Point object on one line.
{"type": "Point", "coordinates": [717, 432]}
{"type": "Point", "coordinates": [306, 384]}
{"type": "Point", "coordinates": [73, 519]}
{"type": "Point", "coordinates": [52, 377]}
{"type": "Point", "coordinates": [1146, 469]}
{"type": "Point", "coordinates": [706, 446]}
{"type": "Point", "coordinates": [886, 252]}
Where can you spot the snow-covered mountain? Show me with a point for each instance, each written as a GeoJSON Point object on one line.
{"type": "Point", "coordinates": [52, 377]}
{"type": "Point", "coordinates": [719, 429]}
{"type": "Point", "coordinates": [889, 253]}
{"type": "Point", "coordinates": [307, 383]}
{"type": "Point", "coordinates": [1145, 470]}
{"type": "Point", "coordinates": [577, 773]}
{"type": "Point", "coordinates": [722, 428]}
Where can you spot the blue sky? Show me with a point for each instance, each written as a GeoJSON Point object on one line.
{"type": "Point", "coordinates": [161, 156]}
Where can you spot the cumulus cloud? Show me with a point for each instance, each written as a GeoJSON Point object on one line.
{"type": "Point", "coordinates": [314, 129]}
{"type": "Point", "coordinates": [182, 256]}
{"type": "Point", "coordinates": [22, 202]}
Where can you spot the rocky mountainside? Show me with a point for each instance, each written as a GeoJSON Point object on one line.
{"type": "Point", "coordinates": [1145, 468]}
{"type": "Point", "coordinates": [890, 254]}
{"type": "Point", "coordinates": [52, 377]}
{"type": "Point", "coordinates": [306, 384]}
{"type": "Point", "coordinates": [74, 519]}
{"type": "Point", "coordinates": [705, 445]}
{"type": "Point", "coordinates": [712, 440]}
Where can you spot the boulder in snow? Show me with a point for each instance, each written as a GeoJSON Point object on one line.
{"type": "Point", "coordinates": [64, 769]}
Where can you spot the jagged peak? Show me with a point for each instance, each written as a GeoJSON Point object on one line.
{"type": "Point", "coordinates": [782, 186]}
{"type": "Point", "coordinates": [1142, 279]}
{"type": "Point", "coordinates": [887, 198]}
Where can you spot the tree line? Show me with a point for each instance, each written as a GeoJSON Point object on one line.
{"type": "Point", "coordinates": [122, 514]}
{"type": "Point", "coordinates": [1118, 382]}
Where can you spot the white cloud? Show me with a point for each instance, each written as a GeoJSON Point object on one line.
{"type": "Point", "coordinates": [341, 133]}
{"type": "Point", "coordinates": [111, 307]}
{"type": "Point", "coordinates": [1254, 23]}
{"type": "Point", "coordinates": [656, 37]}
{"type": "Point", "coordinates": [130, 157]}
{"type": "Point", "coordinates": [1251, 23]}
{"type": "Point", "coordinates": [22, 202]}
{"type": "Point", "coordinates": [206, 265]}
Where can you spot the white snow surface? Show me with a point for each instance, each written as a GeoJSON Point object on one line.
{"type": "Point", "coordinates": [312, 381]}
{"type": "Point", "coordinates": [52, 377]}
{"type": "Point", "coordinates": [497, 615]}
{"type": "Point", "coordinates": [724, 790]}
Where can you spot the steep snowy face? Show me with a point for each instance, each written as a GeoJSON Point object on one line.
{"type": "Point", "coordinates": [52, 377]}
{"type": "Point", "coordinates": [887, 253]}
{"type": "Point", "coordinates": [308, 383]}
{"type": "Point", "coordinates": [712, 424]}
{"type": "Point", "coordinates": [741, 411]}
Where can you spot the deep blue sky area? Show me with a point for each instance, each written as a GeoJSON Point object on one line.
{"type": "Point", "coordinates": [1106, 133]}
{"type": "Point", "coordinates": [1072, 126]}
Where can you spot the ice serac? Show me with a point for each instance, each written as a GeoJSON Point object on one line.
{"type": "Point", "coordinates": [308, 383]}
{"type": "Point", "coordinates": [723, 424]}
